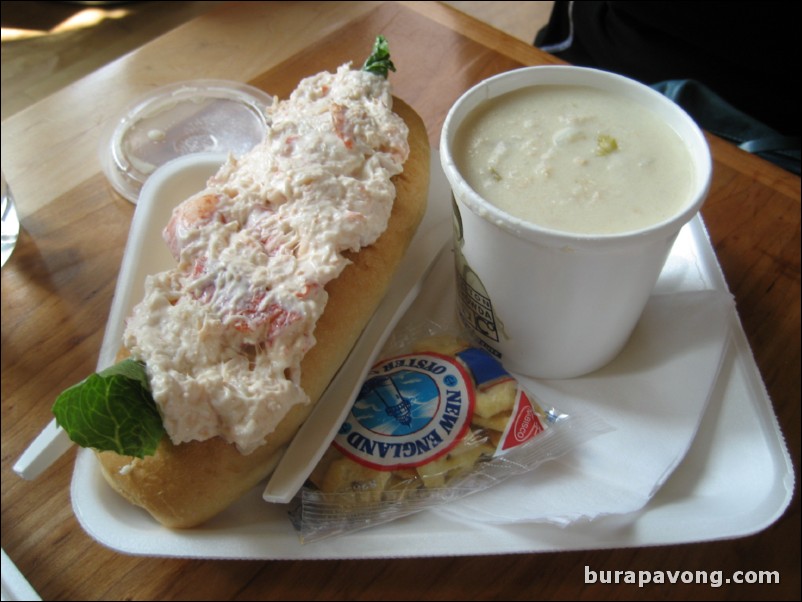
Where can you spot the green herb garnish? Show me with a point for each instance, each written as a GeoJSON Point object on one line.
{"type": "Point", "coordinates": [379, 60]}
{"type": "Point", "coordinates": [605, 145]}
{"type": "Point", "coordinates": [112, 410]}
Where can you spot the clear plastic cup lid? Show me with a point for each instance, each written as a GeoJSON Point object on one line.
{"type": "Point", "coordinates": [181, 119]}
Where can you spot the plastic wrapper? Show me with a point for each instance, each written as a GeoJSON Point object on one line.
{"type": "Point", "coordinates": [436, 419]}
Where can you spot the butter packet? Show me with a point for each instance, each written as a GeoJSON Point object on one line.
{"type": "Point", "coordinates": [436, 422]}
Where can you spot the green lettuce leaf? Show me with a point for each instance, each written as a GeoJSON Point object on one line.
{"type": "Point", "coordinates": [379, 60]}
{"type": "Point", "coordinates": [112, 410]}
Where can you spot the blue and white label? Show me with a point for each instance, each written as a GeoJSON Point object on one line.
{"type": "Point", "coordinates": [411, 410]}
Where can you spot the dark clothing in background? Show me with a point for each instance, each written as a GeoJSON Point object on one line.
{"type": "Point", "coordinates": [746, 53]}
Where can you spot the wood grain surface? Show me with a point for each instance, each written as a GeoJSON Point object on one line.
{"type": "Point", "coordinates": [58, 286]}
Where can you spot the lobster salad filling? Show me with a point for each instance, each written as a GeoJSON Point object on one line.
{"type": "Point", "coordinates": [222, 334]}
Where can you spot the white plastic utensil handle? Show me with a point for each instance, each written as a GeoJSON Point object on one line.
{"type": "Point", "coordinates": [316, 434]}
{"type": "Point", "coordinates": [48, 447]}
{"type": "Point", "coordinates": [15, 585]}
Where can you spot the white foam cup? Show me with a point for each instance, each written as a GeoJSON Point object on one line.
{"type": "Point", "coordinates": [553, 304]}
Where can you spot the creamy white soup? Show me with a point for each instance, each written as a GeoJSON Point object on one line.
{"type": "Point", "coordinates": [575, 159]}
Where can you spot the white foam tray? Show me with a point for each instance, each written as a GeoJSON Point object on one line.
{"type": "Point", "coordinates": [736, 479]}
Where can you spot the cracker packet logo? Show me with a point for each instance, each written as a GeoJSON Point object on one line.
{"type": "Point", "coordinates": [412, 409]}
{"type": "Point", "coordinates": [524, 424]}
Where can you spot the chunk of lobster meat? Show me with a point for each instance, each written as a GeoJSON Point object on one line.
{"type": "Point", "coordinates": [342, 127]}
{"type": "Point", "coordinates": [266, 322]}
{"type": "Point", "coordinates": [349, 125]}
{"type": "Point", "coordinates": [194, 212]}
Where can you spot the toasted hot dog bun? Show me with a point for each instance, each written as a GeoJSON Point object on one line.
{"type": "Point", "coordinates": [185, 485]}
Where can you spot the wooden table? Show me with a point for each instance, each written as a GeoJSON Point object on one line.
{"type": "Point", "coordinates": [58, 285]}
